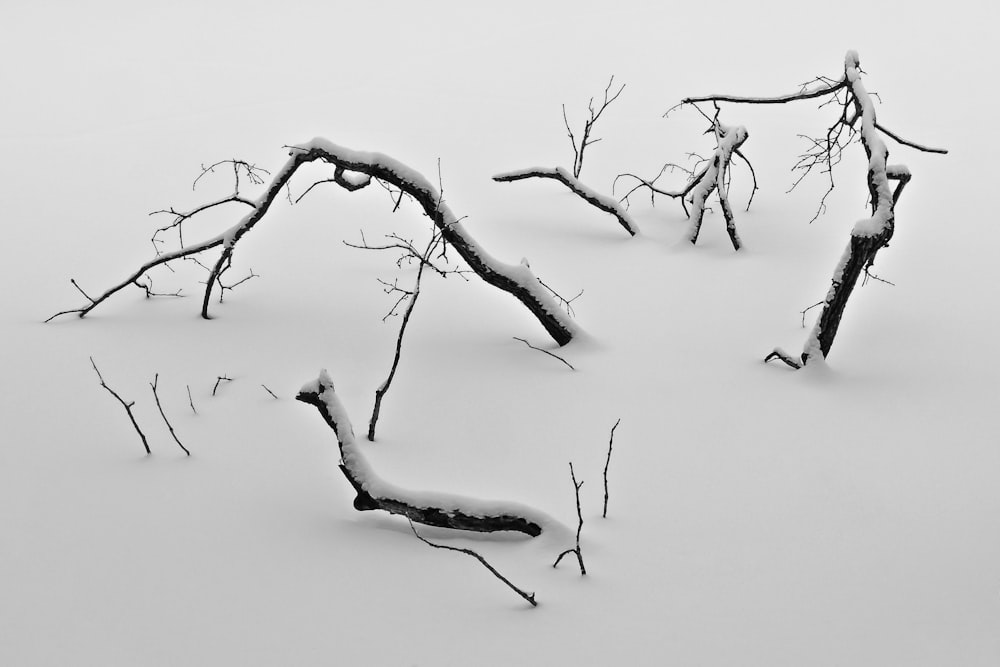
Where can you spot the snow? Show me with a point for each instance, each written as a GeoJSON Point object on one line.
{"type": "Point", "coordinates": [841, 514]}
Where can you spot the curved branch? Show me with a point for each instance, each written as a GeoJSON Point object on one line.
{"type": "Point", "coordinates": [517, 280]}
{"type": "Point", "coordinates": [604, 203]}
{"type": "Point", "coordinates": [432, 509]}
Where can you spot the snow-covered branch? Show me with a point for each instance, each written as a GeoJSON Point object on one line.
{"type": "Point", "coordinates": [592, 197]}
{"type": "Point", "coordinates": [572, 179]}
{"type": "Point", "coordinates": [713, 177]}
{"type": "Point", "coordinates": [433, 509]}
{"type": "Point", "coordinates": [868, 235]}
{"type": "Point", "coordinates": [517, 280]}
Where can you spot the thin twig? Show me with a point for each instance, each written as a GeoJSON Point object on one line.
{"type": "Point", "coordinates": [579, 526]}
{"type": "Point", "coordinates": [607, 463]}
{"type": "Point", "coordinates": [152, 384]}
{"type": "Point", "coordinates": [218, 380]}
{"type": "Point", "coordinates": [268, 390]}
{"type": "Point", "coordinates": [127, 406]}
{"type": "Point", "coordinates": [556, 356]}
{"type": "Point", "coordinates": [191, 400]}
{"type": "Point", "coordinates": [530, 597]}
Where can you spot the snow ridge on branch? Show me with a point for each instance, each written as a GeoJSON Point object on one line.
{"type": "Point", "coordinates": [433, 509]}
{"type": "Point", "coordinates": [364, 167]}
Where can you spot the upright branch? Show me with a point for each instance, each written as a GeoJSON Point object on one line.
{"type": "Point", "coordinates": [127, 405]}
{"type": "Point", "coordinates": [855, 119]}
{"type": "Point", "coordinates": [433, 509]}
{"type": "Point", "coordinates": [579, 526]}
{"type": "Point", "coordinates": [156, 379]}
{"type": "Point", "coordinates": [424, 259]}
{"type": "Point", "coordinates": [529, 597]}
{"type": "Point", "coordinates": [571, 178]}
{"type": "Point", "coordinates": [711, 176]}
{"type": "Point", "coordinates": [607, 463]}
{"type": "Point", "coordinates": [354, 170]}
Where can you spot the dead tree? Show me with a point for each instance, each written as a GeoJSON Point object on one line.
{"type": "Point", "coordinates": [572, 179]}
{"type": "Point", "coordinates": [353, 170]}
{"type": "Point", "coordinates": [710, 175]}
{"type": "Point", "coordinates": [856, 121]}
{"type": "Point", "coordinates": [432, 509]}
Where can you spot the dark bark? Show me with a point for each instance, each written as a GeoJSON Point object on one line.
{"type": "Point", "coordinates": [575, 186]}
{"type": "Point", "coordinates": [365, 500]}
{"type": "Point", "coordinates": [386, 170]}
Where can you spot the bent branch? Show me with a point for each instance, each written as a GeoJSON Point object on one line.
{"type": "Point", "coordinates": [432, 509]}
{"type": "Point", "coordinates": [602, 202]}
{"type": "Point", "coordinates": [517, 280]}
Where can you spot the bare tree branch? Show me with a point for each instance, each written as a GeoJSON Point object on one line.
{"type": "Point", "coordinates": [530, 597]}
{"type": "Point", "coordinates": [218, 381]}
{"type": "Point", "coordinates": [391, 174]}
{"type": "Point", "coordinates": [571, 179]}
{"type": "Point", "coordinates": [152, 384]}
{"type": "Point", "coordinates": [556, 356]}
{"type": "Point", "coordinates": [611, 442]}
{"type": "Point", "coordinates": [127, 406]}
{"type": "Point", "coordinates": [433, 509]}
{"type": "Point", "coordinates": [579, 526]}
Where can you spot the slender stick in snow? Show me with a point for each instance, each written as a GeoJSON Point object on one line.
{"type": "Point", "coordinates": [530, 597]}
{"type": "Point", "coordinates": [156, 379]}
{"type": "Point", "coordinates": [556, 356]}
{"type": "Point", "coordinates": [579, 526]}
{"type": "Point", "coordinates": [126, 405]}
{"type": "Point", "coordinates": [607, 463]}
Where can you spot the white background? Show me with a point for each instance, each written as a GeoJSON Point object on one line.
{"type": "Point", "coordinates": [845, 515]}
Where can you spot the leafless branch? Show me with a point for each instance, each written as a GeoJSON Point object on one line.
{"type": "Point", "coordinates": [127, 406]}
{"type": "Point", "coordinates": [530, 597]}
{"type": "Point", "coordinates": [191, 400]}
{"type": "Point", "coordinates": [579, 526]}
{"type": "Point", "coordinates": [152, 384]}
{"type": "Point", "coordinates": [218, 381]}
{"type": "Point", "coordinates": [273, 395]}
{"type": "Point", "coordinates": [611, 442]}
{"type": "Point", "coordinates": [556, 356]}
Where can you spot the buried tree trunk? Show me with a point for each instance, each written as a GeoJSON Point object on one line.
{"type": "Point", "coordinates": [433, 509]}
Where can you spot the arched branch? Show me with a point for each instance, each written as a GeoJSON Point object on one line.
{"type": "Point", "coordinates": [517, 280]}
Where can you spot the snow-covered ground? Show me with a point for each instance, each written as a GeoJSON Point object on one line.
{"type": "Point", "coordinates": [847, 514]}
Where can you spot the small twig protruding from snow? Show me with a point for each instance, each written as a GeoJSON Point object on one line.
{"type": "Point", "coordinates": [530, 597]}
{"type": "Point", "coordinates": [556, 356]}
{"type": "Point", "coordinates": [191, 400]}
{"type": "Point", "coordinates": [607, 463]}
{"type": "Point", "coordinates": [579, 526]}
{"type": "Point", "coordinates": [152, 384]}
{"type": "Point", "coordinates": [781, 355]}
{"type": "Point", "coordinates": [269, 391]}
{"type": "Point", "coordinates": [218, 381]}
{"type": "Point", "coordinates": [127, 406]}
